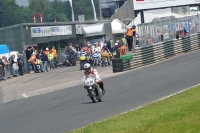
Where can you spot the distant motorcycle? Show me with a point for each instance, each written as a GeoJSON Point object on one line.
{"type": "Point", "coordinates": [39, 65]}
{"type": "Point", "coordinates": [93, 89]}
{"type": "Point", "coordinates": [83, 59]}
{"type": "Point", "coordinates": [106, 59]}
{"type": "Point", "coordinates": [96, 58]}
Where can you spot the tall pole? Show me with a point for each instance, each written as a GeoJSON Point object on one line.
{"type": "Point", "coordinates": [94, 11]}
{"type": "Point", "coordinates": [1, 11]}
{"type": "Point", "coordinates": [100, 10]}
{"type": "Point", "coordinates": [70, 1]}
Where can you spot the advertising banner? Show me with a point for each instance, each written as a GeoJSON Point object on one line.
{"type": "Point", "coordinates": [51, 31]}
{"type": "Point", "coordinates": [153, 4]}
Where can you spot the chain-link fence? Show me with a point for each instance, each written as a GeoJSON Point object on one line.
{"type": "Point", "coordinates": [166, 29]}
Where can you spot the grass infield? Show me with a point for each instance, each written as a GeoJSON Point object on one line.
{"type": "Point", "coordinates": [177, 114]}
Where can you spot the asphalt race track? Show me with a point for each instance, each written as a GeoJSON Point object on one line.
{"type": "Point", "coordinates": [64, 110]}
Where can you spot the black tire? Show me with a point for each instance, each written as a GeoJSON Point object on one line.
{"type": "Point", "coordinates": [120, 69]}
{"type": "Point", "coordinates": [99, 99]}
{"type": "Point", "coordinates": [116, 65]}
{"type": "Point", "coordinates": [91, 96]}
{"type": "Point", "coordinates": [116, 60]}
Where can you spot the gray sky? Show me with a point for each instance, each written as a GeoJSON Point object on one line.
{"type": "Point", "coordinates": [25, 2]}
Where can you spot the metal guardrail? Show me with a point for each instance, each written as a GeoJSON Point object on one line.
{"type": "Point", "coordinates": [160, 30]}
{"type": "Point", "coordinates": [161, 51]}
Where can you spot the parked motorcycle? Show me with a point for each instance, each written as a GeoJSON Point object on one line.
{"type": "Point", "coordinates": [93, 89]}
{"type": "Point", "coordinates": [67, 60]}
{"type": "Point", "coordinates": [106, 58]}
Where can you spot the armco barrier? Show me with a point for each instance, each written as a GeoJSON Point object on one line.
{"type": "Point", "coordinates": [161, 51]}
{"type": "Point", "coordinates": [1, 73]}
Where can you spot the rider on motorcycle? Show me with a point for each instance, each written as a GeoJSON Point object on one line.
{"type": "Point", "coordinates": [89, 70]}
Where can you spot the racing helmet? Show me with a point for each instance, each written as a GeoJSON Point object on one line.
{"type": "Point", "coordinates": [87, 67]}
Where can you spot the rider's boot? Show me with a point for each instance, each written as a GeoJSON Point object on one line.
{"type": "Point", "coordinates": [102, 87]}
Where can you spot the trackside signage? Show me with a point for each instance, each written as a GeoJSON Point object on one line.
{"type": "Point", "coordinates": [151, 4]}
{"type": "Point", "coordinates": [51, 31]}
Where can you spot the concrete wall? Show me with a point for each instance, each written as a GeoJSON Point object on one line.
{"type": "Point", "coordinates": [126, 11]}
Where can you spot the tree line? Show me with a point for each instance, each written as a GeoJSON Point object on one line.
{"type": "Point", "coordinates": [61, 10]}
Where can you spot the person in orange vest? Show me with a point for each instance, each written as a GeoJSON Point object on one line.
{"type": "Point", "coordinates": [32, 61]}
{"type": "Point", "coordinates": [122, 49]}
{"type": "Point", "coordinates": [55, 56]}
{"type": "Point", "coordinates": [47, 51]}
{"type": "Point", "coordinates": [129, 36]}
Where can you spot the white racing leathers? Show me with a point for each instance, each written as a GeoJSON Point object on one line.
{"type": "Point", "coordinates": [93, 73]}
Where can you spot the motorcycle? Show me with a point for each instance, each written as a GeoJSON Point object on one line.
{"type": "Point", "coordinates": [83, 60]}
{"type": "Point", "coordinates": [67, 60]}
{"type": "Point", "coordinates": [39, 65]}
{"type": "Point", "coordinates": [106, 58]}
{"type": "Point", "coordinates": [93, 89]}
{"type": "Point", "coordinates": [96, 58]}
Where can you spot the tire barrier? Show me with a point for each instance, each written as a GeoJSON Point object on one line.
{"type": "Point", "coordinates": [117, 65]}
{"type": "Point", "coordinates": [126, 65]}
{"type": "Point", "coordinates": [161, 51]}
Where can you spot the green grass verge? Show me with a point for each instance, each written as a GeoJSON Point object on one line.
{"type": "Point", "coordinates": [177, 114]}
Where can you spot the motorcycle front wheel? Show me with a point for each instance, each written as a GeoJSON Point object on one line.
{"type": "Point", "coordinates": [91, 95]}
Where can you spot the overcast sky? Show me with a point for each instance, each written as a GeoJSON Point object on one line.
{"type": "Point", "coordinates": [25, 2]}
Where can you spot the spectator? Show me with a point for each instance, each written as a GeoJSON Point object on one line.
{"type": "Point", "coordinates": [78, 48]}
{"type": "Point", "coordinates": [81, 45]}
{"type": "Point", "coordinates": [12, 62]}
{"type": "Point", "coordinates": [71, 55]}
{"type": "Point", "coordinates": [32, 61]}
{"type": "Point", "coordinates": [108, 45]}
{"type": "Point", "coordinates": [185, 32]}
{"type": "Point", "coordinates": [47, 51]}
{"type": "Point", "coordinates": [116, 50]}
{"type": "Point", "coordinates": [1, 69]}
{"type": "Point", "coordinates": [37, 55]}
{"type": "Point", "coordinates": [149, 41]}
{"type": "Point", "coordinates": [44, 59]}
{"type": "Point", "coordinates": [6, 65]}
{"type": "Point", "coordinates": [129, 36]}
{"type": "Point", "coordinates": [122, 49]}
{"type": "Point", "coordinates": [20, 65]}
{"type": "Point", "coordinates": [29, 51]}
{"type": "Point", "coordinates": [55, 56]}
{"type": "Point", "coordinates": [51, 59]}
{"type": "Point", "coordinates": [177, 34]}
{"type": "Point", "coordinates": [119, 44]}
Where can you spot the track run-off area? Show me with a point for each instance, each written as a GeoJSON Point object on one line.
{"type": "Point", "coordinates": [64, 109]}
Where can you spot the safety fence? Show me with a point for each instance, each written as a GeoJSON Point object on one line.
{"type": "Point", "coordinates": [161, 51]}
{"type": "Point", "coordinates": [7, 72]}
{"type": "Point", "coordinates": [169, 28]}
